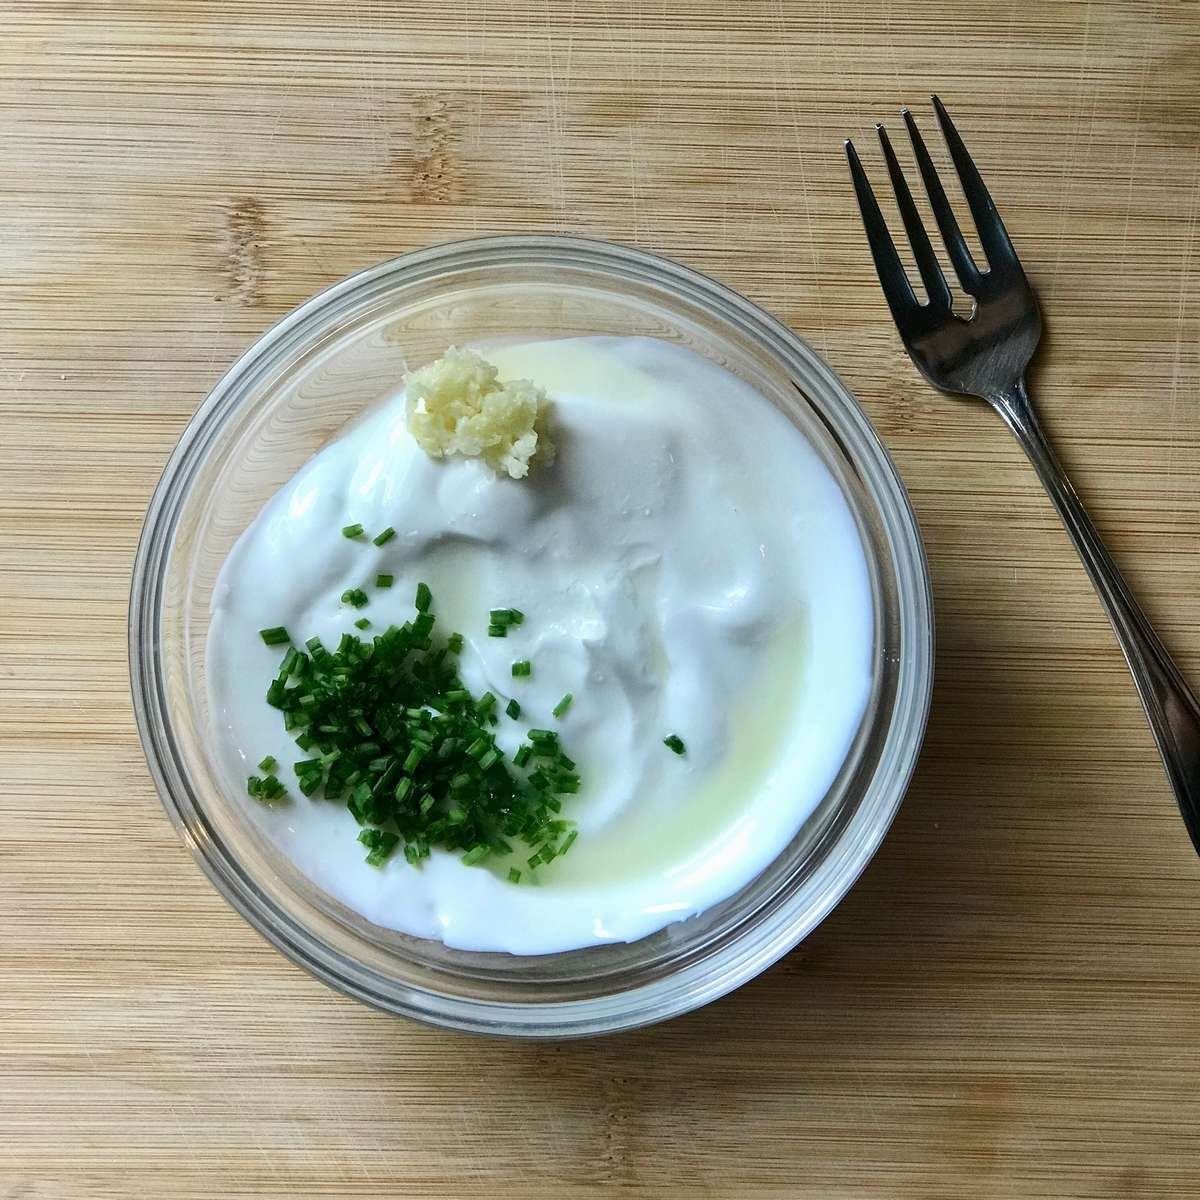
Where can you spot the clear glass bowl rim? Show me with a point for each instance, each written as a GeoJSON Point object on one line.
{"type": "Point", "coordinates": [695, 984]}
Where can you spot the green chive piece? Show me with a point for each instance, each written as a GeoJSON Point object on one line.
{"type": "Point", "coordinates": [506, 616]}
{"type": "Point", "coordinates": [513, 709]}
{"type": "Point", "coordinates": [267, 790]}
{"type": "Point", "coordinates": [560, 709]}
{"type": "Point", "coordinates": [454, 643]}
{"type": "Point", "coordinates": [268, 764]}
{"type": "Point", "coordinates": [522, 669]}
{"type": "Point", "coordinates": [380, 843]}
{"type": "Point", "coordinates": [514, 876]}
{"type": "Point", "coordinates": [476, 854]}
{"type": "Point", "coordinates": [522, 756]}
{"type": "Point", "coordinates": [382, 539]}
{"type": "Point", "coordinates": [424, 597]}
{"type": "Point", "coordinates": [276, 636]}
{"type": "Point", "coordinates": [495, 630]}
{"type": "Point", "coordinates": [384, 581]}
{"type": "Point", "coordinates": [675, 742]}
{"type": "Point", "coordinates": [362, 623]}
{"type": "Point", "coordinates": [352, 531]}
{"type": "Point", "coordinates": [355, 597]}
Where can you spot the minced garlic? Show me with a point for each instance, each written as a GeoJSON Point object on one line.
{"type": "Point", "coordinates": [457, 405]}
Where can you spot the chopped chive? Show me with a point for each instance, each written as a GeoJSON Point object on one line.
{"type": "Point", "coordinates": [382, 539]}
{"type": "Point", "coordinates": [506, 616]}
{"type": "Point", "coordinates": [352, 531]}
{"type": "Point", "coordinates": [384, 581]}
{"type": "Point", "coordinates": [560, 709]}
{"type": "Point", "coordinates": [380, 843]}
{"type": "Point", "coordinates": [495, 630]}
{"type": "Point", "coordinates": [389, 730]}
{"type": "Point", "coordinates": [266, 790]}
{"type": "Point", "coordinates": [569, 842]}
{"type": "Point", "coordinates": [514, 876]}
{"type": "Point", "coordinates": [675, 742]}
{"type": "Point", "coordinates": [276, 636]}
{"type": "Point", "coordinates": [476, 854]}
{"type": "Point", "coordinates": [522, 669]}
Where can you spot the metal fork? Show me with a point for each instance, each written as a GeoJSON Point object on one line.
{"type": "Point", "coordinates": [986, 355]}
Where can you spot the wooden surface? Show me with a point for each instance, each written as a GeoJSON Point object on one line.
{"type": "Point", "coordinates": [1006, 1005]}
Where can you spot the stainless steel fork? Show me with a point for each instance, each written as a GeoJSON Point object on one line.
{"type": "Point", "coordinates": [986, 355]}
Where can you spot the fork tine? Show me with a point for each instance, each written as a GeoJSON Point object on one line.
{"type": "Point", "coordinates": [896, 288]}
{"type": "Point", "coordinates": [992, 234]}
{"type": "Point", "coordinates": [927, 263]}
{"type": "Point", "coordinates": [960, 256]}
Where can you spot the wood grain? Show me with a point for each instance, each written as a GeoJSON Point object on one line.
{"type": "Point", "coordinates": [1006, 1005]}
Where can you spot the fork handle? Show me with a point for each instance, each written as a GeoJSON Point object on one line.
{"type": "Point", "coordinates": [1170, 705]}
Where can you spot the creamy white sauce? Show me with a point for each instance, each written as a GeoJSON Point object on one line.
{"type": "Point", "coordinates": [688, 565]}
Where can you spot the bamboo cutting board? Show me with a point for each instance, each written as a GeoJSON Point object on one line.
{"type": "Point", "coordinates": [1005, 1006]}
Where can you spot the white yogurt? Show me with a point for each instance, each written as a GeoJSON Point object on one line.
{"type": "Point", "coordinates": [688, 565]}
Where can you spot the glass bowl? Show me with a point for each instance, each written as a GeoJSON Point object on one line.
{"type": "Point", "coordinates": [286, 396]}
